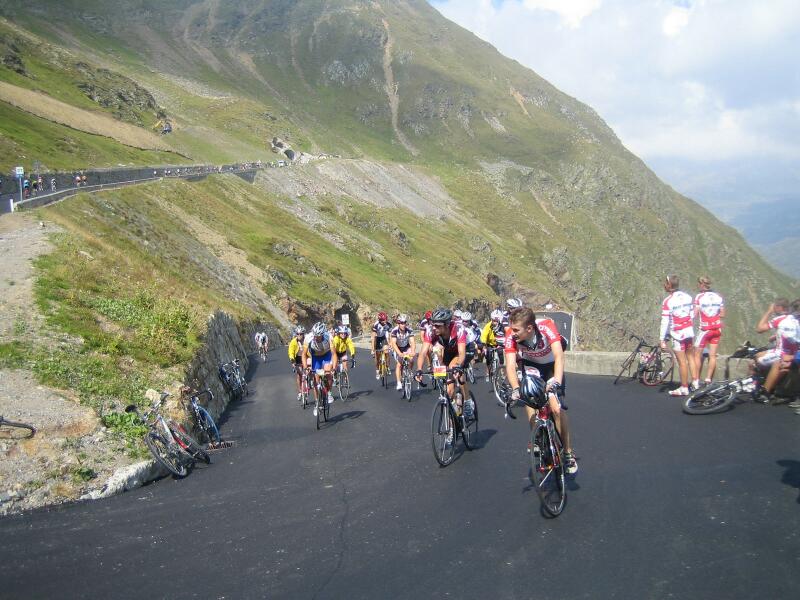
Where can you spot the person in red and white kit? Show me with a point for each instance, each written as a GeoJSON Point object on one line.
{"type": "Point", "coordinates": [787, 343]}
{"type": "Point", "coordinates": [534, 348]}
{"type": "Point", "coordinates": [710, 309]}
{"type": "Point", "coordinates": [449, 341]}
{"type": "Point", "coordinates": [677, 316]}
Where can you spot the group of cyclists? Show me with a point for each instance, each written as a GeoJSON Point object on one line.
{"type": "Point", "coordinates": [530, 349]}
{"type": "Point", "coordinates": [678, 313]}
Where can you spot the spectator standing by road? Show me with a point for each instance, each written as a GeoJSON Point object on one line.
{"type": "Point", "coordinates": [710, 309]}
{"type": "Point", "coordinates": [677, 315]}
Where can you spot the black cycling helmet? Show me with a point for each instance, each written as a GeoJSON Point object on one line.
{"type": "Point", "coordinates": [532, 391]}
{"type": "Point", "coordinates": [442, 315]}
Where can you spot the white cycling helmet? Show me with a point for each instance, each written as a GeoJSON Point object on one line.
{"type": "Point", "coordinates": [466, 316]}
{"type": "Point", "coordinates": [299, 330]}
{"type": "Point", "coordinates": [402, 318]}
{"type": "Point", "coordinates": [457, 314]}
{"type": "Point", "coordinates": [497, 314]}
{"type": "Point", "coordinates": [514, 303]}
{"type": "Point", "coordinates": [319, 329]}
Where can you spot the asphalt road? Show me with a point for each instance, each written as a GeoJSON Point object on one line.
{"type": "Point", "coordinates": [664, 506]}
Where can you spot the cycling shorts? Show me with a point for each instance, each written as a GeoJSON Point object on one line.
{"type": "Point", "coordinates": [319, 362]}
{"type": "Point", "coordinates": [708, 337]}
{"type": "Point", "coordinates": [769, 357]}
{"type": "Point", "coordinates": [682, 345]}
{"type": "Point", "coordinates": [548, 370]}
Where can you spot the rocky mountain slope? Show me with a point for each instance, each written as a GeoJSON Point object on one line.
{"type": "Point", "coordinates": [531, 185]}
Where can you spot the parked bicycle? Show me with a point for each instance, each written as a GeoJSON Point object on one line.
{"type": "Point", "coordinates": [452, 417]}
{"type": "Point", "coordinates": [168, 441]}
{"type": "Point", "coordinates": [548, 469]}
{"type": "Point", "coordinates": [647, 363]}
{"type": "Point", "coordinates": [233, 379]}
{"type": "Point", "coordinates": [203, 421]}
{"type": "Point", "coordinates": [15, 430]}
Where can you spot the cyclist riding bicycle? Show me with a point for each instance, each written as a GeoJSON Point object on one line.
{"type": "Point", "coordinates": [493, 336]}
{"type": "Point", "coordinates": [296, 356]}
{"type": "Point", "coordinates": [472, 336]}
{"type": "Point", "coordinates": [342, 344]}
{"type": "Point", "coordinates": [449, 340]}
{"type": "Point", "coordinates": [380, 339]}
{"type": "Point", "coordinates": [402, 343]}
{"type": "Point", "coordinates": [534, 349]}
{"type": "Point", "coordinates": [317, 346]}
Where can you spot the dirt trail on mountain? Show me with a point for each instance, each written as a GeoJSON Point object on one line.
{"type": "Point", "coordinates": [392, 91]}
{"type": "Point", "coordinates": [51, 109]}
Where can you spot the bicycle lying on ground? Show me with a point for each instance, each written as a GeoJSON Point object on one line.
{"type": "Point", "coordinates": [719, 395]}
{"type": "Point", "coordinates": [648, 363]}
{"type": "Point", "coordinates": [452, 417]}
{"type": "Point", "coordinates": [13, 429]}
{"type": "Point", "coordinates": [548, 469]}
{"type": "Point", "coordinates": [168, 441]}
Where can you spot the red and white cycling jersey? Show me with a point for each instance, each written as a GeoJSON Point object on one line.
{"type": "Point", "coordinates": [787, 334]}
{"type": "Point", "coordinates": [709, 305]}
{"type": "Point", "coordinates": [456, 336]}
{"type": "Point", "coordinates": [542, 353]}
{"type": "Point", "coordinates": [426, 331]}
{"type": "Point", "coordinates": [677, 314]}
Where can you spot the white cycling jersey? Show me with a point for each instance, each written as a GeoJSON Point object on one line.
{"type": "Point", "coordinates": [709, 305]}
{"type": "Point", "coordinates": [677, 314]}
{"type": "Point", "coordinates": [318, 348]}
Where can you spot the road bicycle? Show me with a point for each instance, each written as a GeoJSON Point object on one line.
{"type": "Point", "coordinates": [322, 408]}
{"type": "Point", "coordinates": [13, 429]}
{"type": "Point", "coordinates": [168, 441]}
{"type": "Point", "coordinates": [647, 363]}
{"type": "Point", "coordinates": [203, 421]}
{"type": "Point", "coordinates": [341, 379]}
{"type": "Point", "coordinates": [306, 385]}
{"type": "Point", "coordinates": [233, 378]}
{"type": "Point", "coordinates": [498, 379]}
{"type": "Point", "coordinates": [719, 395]}
{"type": "Point", "coordinates": [383, 366]}
{"type": "Point", "coordinates": [548, 469]}
{"type": "Point", "coordinates": [262, 352]}
{"type": "Point", "coordinates": [452, 417]}
{"type": "Point", "coordinates": [406, 376]}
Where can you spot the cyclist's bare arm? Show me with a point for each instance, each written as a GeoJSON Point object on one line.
{"type": "Point", "coordinates": [763, 324]}
{"type": "Point", "coordinates": [426, 348]}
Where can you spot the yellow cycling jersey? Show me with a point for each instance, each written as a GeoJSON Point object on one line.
{"type": "Point", "coordinates": [295, 349]}
{"type": "Point", "coordinates": [488, 336]}
{"type": "Point", "coordinates": [340, 346]}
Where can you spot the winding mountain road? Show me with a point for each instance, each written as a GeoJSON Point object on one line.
{"type": "Point", "coordinates": [664, 506]}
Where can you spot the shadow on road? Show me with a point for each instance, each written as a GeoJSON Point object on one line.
{"type": "Point", "coordinates": [358, 394]}
{"type": "Point", "coordinates": [483, 436]}
{"type": "Point", "coordinates": [791, 476]}
{"type": "Point", "coordinates": [345, 416]}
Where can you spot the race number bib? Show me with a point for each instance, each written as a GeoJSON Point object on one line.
{"type": "Point", "coordinates": [440, 371]}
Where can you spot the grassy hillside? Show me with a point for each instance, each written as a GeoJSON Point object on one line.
{"type": "Point", "coordinates": [543, 194]}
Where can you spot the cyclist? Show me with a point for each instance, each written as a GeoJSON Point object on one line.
{"type": "Point", "coordinates": [677, 314]}
{"type": "Point", "coordinates": [785, 324]}
{"type": "Point", "coordinates": [534, 347]}
{"type": "Point", "coordinates": [449, 340]}
{"type": "Point", "coordinates": [317, 346]}
{"type": "Point", "coordinates": [493, 336]}
{"type": "Point", "coordinates": [296, 356]}
{"type": "Point", "coordinates": [473, 336]}
{"type": "Point", "coordinates": [710, 307]}
{"type": "Point", "coordinates": [402, 343]}
{"type": "Point", "coordinates": [342, 344]}
{"type": "Point", "coordinates": [380, 333]}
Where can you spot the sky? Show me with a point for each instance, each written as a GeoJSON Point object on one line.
{"type": "Point", "coordinates": [706, 92]}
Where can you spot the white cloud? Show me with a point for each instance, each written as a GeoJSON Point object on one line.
{"type": "Point", "coordinates": [572, 12]}
{"type": "Point", "coordinates": [697, 81]}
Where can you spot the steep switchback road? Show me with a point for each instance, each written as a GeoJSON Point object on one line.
{"type": "Point", "coordinates": [664, 506]}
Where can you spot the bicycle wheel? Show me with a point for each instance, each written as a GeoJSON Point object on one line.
{"type": "Point", "coordinates": [407, 383]}
{"type": "Point", "coordinates": [547, 470]}
{"type": "Point", "coordinates": [655, 372]}
{"type": "Point", "coordinates": [710, 399]}
{"type": "Point", "coordinates": [500, 386]}
{"type": "Point", "coordinates": [344, 386]}
{"type": "Point", "coordinates": [16, 430]}
{"type": "Point", "coordinates": [319, 408]}
{"type": "Point", "coordinates": [207, 427]}
{"type": "Point", "coordinates": [443, 433]}
{"type": "Point", "coordinates": [164, 454]}
{"type": "Point", "coordinates": [188, 444]}
{"type": "Point", "coordinates": [469, 429]}
{"type": "Point", "coordinates": [471, 374]}
{"type": "Point", "coordinates": [326, 407]}
{"type": "Point", "coordinates": [626, 367]}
